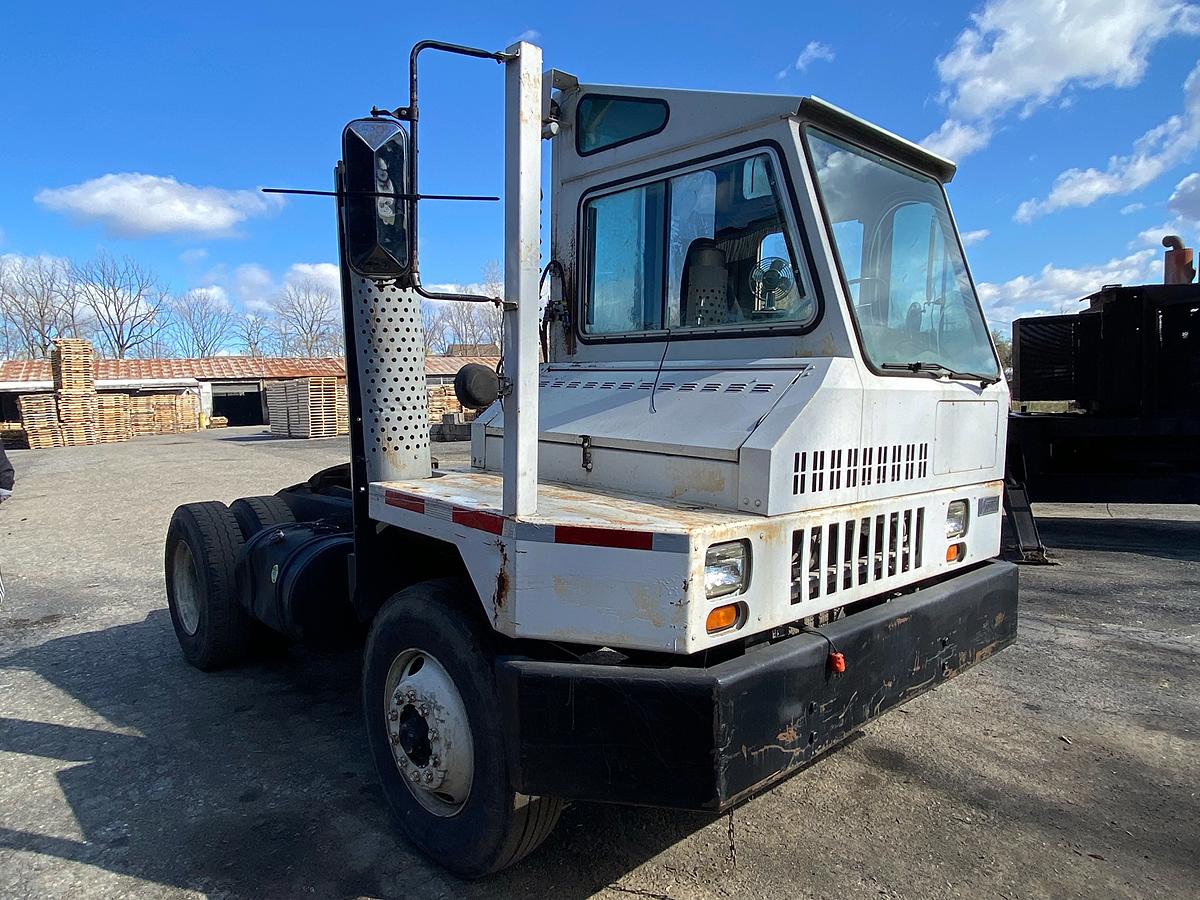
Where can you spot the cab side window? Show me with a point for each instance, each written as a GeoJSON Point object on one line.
{"type": "Point", "coordinates": [708, 248]}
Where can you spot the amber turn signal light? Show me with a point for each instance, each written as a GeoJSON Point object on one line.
{"type": "Point", "coordinates": [722, 617]}
{"type": "Point", "coordinates": [955, 552]}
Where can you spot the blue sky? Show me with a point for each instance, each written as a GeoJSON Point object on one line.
{"type": "Point", "coordinates": [145, 129]}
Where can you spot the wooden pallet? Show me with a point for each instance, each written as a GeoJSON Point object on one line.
{"type": "Point", "coordinates": [37, 410]}
{"type": "Point", "coordinates": [73, 365]}
{"type": "Point", "coordinates": [165, 418]}
{"type": "Point", "coordinates": [77, 407]}
{"type": "Point", "coordinates": [187, 413]}
{"type": "Point", "coordinates": [314, 406]}
{"type": "Point", "coordinates": [43, 437]}
{"type": "Point", "coordinates": [218, 422]}
{"type": "Point", "coordinates": [343, 408]}
{"type": "Point", "coordinates": [277, 408]}
{"type": "Point", "coordinates": [113, 420]}
{"type": "Point", "coordinates": [141, 416]}
{"type": "Point", "coordinates": [78, 434]}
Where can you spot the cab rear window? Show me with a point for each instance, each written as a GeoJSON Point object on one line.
{"type": "Point", "coordinates": [602, 122]}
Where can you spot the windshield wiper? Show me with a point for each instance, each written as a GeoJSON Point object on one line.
{"type": "Point", "coordinates": [945, 370]}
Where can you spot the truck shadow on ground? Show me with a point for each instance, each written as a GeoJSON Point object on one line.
{"type": "Point", "coordinates": [1148, 537]}
{"type": "Point", "coordinates": [254, 782]}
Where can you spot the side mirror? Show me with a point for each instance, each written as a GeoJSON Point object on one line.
{"type": "Point", "coordinates": [375, 228]}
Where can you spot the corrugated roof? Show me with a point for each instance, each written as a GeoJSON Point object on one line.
{"type": "Point", "coordinates": [449, 365]}
{"type": "Point", "coordinates": [220, 368]}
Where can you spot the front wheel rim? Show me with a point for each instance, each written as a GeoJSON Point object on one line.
{"type": "Point", "coordinates": [429, 733]}
{"type": "Point", "coordinates": [187, 589]}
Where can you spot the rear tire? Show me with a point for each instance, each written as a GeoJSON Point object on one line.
{"type": "Point", "coordinates": [253, 514]}
{"type": "Point", "coordinates": [212, 627]}
{"type": "Point", "coordinates": [472, 822]}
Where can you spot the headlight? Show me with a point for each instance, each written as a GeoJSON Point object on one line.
{"type": "Point", "coordinates": [956, 518]}
{"type": "Point", "coordinates": [725, 569]}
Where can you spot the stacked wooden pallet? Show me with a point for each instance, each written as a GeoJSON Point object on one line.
{"type": "Point", "coordinates": [78, 434]}
{"type": "Point", "coordinates": [187, 413]}
{"type": "Point", "coordinates": [13, 436]}
{"type": "Point", "coordinates": [315, 408]}
{"type": "Point", "coordinates": [77, 407]}
{"type": "Point", "coordinates": [113, 420]}
{"type": "Point", "coordinates": [277, 408]}
{"type": "Point", "coordinates": [39, 417]}
{"type": "Point", "coordinates": [141, 415]}
{"type": "Point", "coordinates": [165, 418]}
{"type": "Point", "coordinates": [343, 408]}
{"type": "Point", "coordinates": [442, 400]}
{"type": "Point", "coordinates": [73, 365]}
{"type": "Point", "coordinates": [218, 422]}
{"type": "Point", "coordinates": [44, 437]}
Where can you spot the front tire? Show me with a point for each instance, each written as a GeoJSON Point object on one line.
{"type": "Point", "coordinates": [212, 627]}
{"type": "Point", "coordinates": [436, 734]}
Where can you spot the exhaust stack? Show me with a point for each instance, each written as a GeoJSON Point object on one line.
{"type": "Point", "coordinates": [1178, 265]}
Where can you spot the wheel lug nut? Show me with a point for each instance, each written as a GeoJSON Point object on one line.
{"type": "Point", "coordinates": [435, 762]}
{"type": "Point", "coordinates": [412, 695]}
{"type": "Point", "coordinates": [433, 735]}
{"type": "Point", "coordinates": [428, 777]}
{"type": "Point", "coordinates": [393, 716]}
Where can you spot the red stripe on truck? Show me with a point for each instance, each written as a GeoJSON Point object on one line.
{"type": "Point", "coordinates": [604, 537]}
{"type": "Point", "coordinates": [403, 501]}
{"type": "Point", "coordinates": [479, 520]}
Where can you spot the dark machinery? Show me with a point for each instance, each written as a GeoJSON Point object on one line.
{"type": "Point", "coordinates": [1130, 367]}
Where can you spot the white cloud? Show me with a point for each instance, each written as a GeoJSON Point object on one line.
{"type": "Point", "coordinates": [1155, 152]}
{"type": "Point", "coordinates": [1130, 208]}
{"type": "Point", "coordinates": [1185, 202]}
{"type": "Point", "coordinates": [532, 35]}
{"type": "Point", "coordinates": [955, 139]}
{"type": "Point", "coordinates": [214, 292]}
{"type": "Point", "coordinates": [324, 275]}
{"type": "Point", "coordinates": [254, 287]}
{"type": "Point", "coordinates": [132, 204]}
{"type": "Point", "coordinates": [814, 51]}
{"type": "Point", "coordinates": [193, 256]}
{"type": "Point", "coordinates": [974, 237]}
{"type": "Point", "coordinates": [1021, 54]}
{"type": "Point", "coordinates": [1057, 289]}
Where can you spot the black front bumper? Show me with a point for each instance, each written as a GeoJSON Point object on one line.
{"type": "Point", "coordinates": [707, 738]}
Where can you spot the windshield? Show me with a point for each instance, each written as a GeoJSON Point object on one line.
{"type": "Point", "coordinates": [909, 291]}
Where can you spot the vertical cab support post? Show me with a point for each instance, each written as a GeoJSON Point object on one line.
{"type": "Point", "coordinates": [522, 258]}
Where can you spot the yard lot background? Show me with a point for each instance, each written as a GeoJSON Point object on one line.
{"type": "Point", "coordinates": [1065, 766]}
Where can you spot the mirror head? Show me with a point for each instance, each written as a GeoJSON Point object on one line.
{"type": "Point", "coordinates": [375, 161]}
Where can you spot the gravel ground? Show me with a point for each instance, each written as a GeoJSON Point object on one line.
{"type": "Point", "coordinates": [1065, 766]}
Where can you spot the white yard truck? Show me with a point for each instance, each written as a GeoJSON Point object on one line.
{"type": "Point", "coordinates": [749, 501]}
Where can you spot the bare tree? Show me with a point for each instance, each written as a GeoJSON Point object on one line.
{"type": "Point", "coordinates": [30, 302]}
{"type": "Point", "coordinates": [203, 323]}
{"type": "Point", "coordinates": [490, 315]}
{"type": "Point", "coordinates": [464, 325]}
{"type": "Point", "coordinates": [307, 320]}
{"type": "Point", "coordinates": [126, 300]}
{"type": "Point", "coordinates": [253, 334]}
{"type": "Point", "coordinates": [433, 320]}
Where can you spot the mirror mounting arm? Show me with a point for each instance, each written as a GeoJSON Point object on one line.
{"type": "Point", "coordinates": [411, 115]}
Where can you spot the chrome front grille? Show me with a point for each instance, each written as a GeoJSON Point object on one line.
{"type": "Point", "coordinates": [841, 555]}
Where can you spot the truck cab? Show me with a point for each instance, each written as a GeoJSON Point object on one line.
{"type": "Point", "coordinates": [734, 493]}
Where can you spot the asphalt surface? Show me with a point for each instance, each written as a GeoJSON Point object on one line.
{"type": "Point", "coordinates": [1065, 766]}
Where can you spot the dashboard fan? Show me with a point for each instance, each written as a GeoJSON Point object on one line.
{"type": "Point", "coordinates": [771, 281]}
